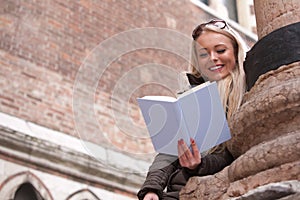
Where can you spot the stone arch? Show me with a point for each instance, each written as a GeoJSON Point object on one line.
{"type": "Point", "coordinates": [27, 191]}
{"type": "Point", "coordinates": [10, 185]}
{"type": "Point", "coordinates": [83, 194]}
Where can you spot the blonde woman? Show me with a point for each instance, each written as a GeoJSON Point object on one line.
{"type": "Point", "coordinates": [218, 54]}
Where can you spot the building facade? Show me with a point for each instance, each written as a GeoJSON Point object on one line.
{"type": "Point", "coordinates": [70, 72]}
{"type": "Point", "coordinates": [241, 11]}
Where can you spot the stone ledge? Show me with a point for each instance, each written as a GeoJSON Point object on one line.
{"type": "Point", "coordinates": [288, 189]}
{"type": "Point", "coordinates": [285, 172]}
{"type": "Point", "coordinates": [218, 186]}
{"type": "Point", "coordinates": [56, 159]}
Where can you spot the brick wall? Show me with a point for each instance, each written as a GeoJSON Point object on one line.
{"type": "Point", "coordinates": [43, 44]}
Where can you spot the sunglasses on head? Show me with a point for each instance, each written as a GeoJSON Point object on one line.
{"type": "Point", "coordinates": [215, 22]}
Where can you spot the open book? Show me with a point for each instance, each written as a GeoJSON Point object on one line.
{"type": "Point", "coordinates": [197, 113]}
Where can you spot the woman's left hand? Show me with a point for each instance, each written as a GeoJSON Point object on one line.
{"type": "Point", "coordinates": [187, 158]}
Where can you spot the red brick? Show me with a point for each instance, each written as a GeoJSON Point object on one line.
{"type": "Point", "coordinates": [43, 44]}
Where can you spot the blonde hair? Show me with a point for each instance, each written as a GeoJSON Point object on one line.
{"type": "Point", "coordinates": [232, 87]}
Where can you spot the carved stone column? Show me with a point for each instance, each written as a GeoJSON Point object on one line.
{"type": "Point", "coordinates": [274, 14]}
{"type": "Point", "coordinates": [273, 80]}
{"type": "Point", "coordinates": [266, 129]}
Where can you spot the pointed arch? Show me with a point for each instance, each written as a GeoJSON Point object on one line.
{"type": "Point", "coordinates": [27, 191]}
{"type": "Point", "coordinates": [10, 185]}
{"type": "Point", "coordinates": [83, 194]}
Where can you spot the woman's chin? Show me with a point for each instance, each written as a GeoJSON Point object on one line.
{"type": "Point", "coordinates": [218, 76]}
{"type": "Point", "coordinates": [215, 78]}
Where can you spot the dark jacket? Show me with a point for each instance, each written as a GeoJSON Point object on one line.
{"type": "Point", "coordinates": [173, 177]}
{"type": "Point", "coordinates": [166, 177]}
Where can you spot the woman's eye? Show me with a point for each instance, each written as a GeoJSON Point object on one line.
{"type": "Point", "coordinates": [221, 51]}
{"type": "Point", "coordinates": [203, 55]}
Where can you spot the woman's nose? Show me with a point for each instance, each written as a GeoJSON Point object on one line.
{"type": "Point", "coordinates": [213, 56]}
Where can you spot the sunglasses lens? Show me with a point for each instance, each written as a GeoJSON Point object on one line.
{"type": "Point", "coordinates": [219, 24]}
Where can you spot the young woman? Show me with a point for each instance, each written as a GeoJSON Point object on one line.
{"type": "Point", "coordinates": [217, 55]}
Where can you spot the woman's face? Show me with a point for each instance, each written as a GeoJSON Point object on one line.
{"type": "Point", "coordinates": [216, 55]}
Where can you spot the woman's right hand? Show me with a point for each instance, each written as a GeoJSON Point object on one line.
{"type": "Point", "coordinates": [151, 196]}
{"type": "Point", "coordinates": [187, 158]}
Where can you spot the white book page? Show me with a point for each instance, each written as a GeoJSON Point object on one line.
{"type": "Point", "coordinates": [173, 99]}
{"type": "Point", "coordinates": [195, 89]}
{"type": "Point", "coordinates": [160, 98]}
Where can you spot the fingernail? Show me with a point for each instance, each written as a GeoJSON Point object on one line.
{"type": "Point", "coordinates": [192, 141]}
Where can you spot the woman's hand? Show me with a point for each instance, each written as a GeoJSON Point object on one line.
{"type": "Point", "coordinates": [187, 158]}
{"type": "Point", "coordinates": [151, 196]}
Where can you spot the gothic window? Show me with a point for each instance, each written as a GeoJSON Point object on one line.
{"type": "Point", "coordinates": [204, 1]}
{"type": "Point", "coordinates": [24, 186]}
{"type": "Point", "coordinates": [232, 10]}
{"type": "Point", "coordinates": [84, 194]}
{"type": "Point", "coordinates": [26, 191]}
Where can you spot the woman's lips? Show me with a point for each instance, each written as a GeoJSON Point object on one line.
{"type": "Point", "coordinates": [216, 68]}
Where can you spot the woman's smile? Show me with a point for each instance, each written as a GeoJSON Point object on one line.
{"type": "Point", "coordinates": [216, 68]}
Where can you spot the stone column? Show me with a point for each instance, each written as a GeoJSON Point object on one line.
{"type": "Point", "coordinates": [266, 129]}
{"type": "Point", "coordinates": [272, 92]}
{"type": "Point", "coordinates": [274, 14]}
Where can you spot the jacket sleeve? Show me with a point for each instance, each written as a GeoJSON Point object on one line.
{"type": "Point", "coordinates": [211, 164]}
{"type": "Point", "coordinates": [157, 177]}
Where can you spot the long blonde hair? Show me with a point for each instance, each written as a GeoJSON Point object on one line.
{"type": "Point", "coordinates": [233, 86]}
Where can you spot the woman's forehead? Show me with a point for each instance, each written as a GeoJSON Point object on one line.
{"type": "Point", "coordinates": [211, 39]}
{"type": "Point", "coordinates": [212, 35]}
